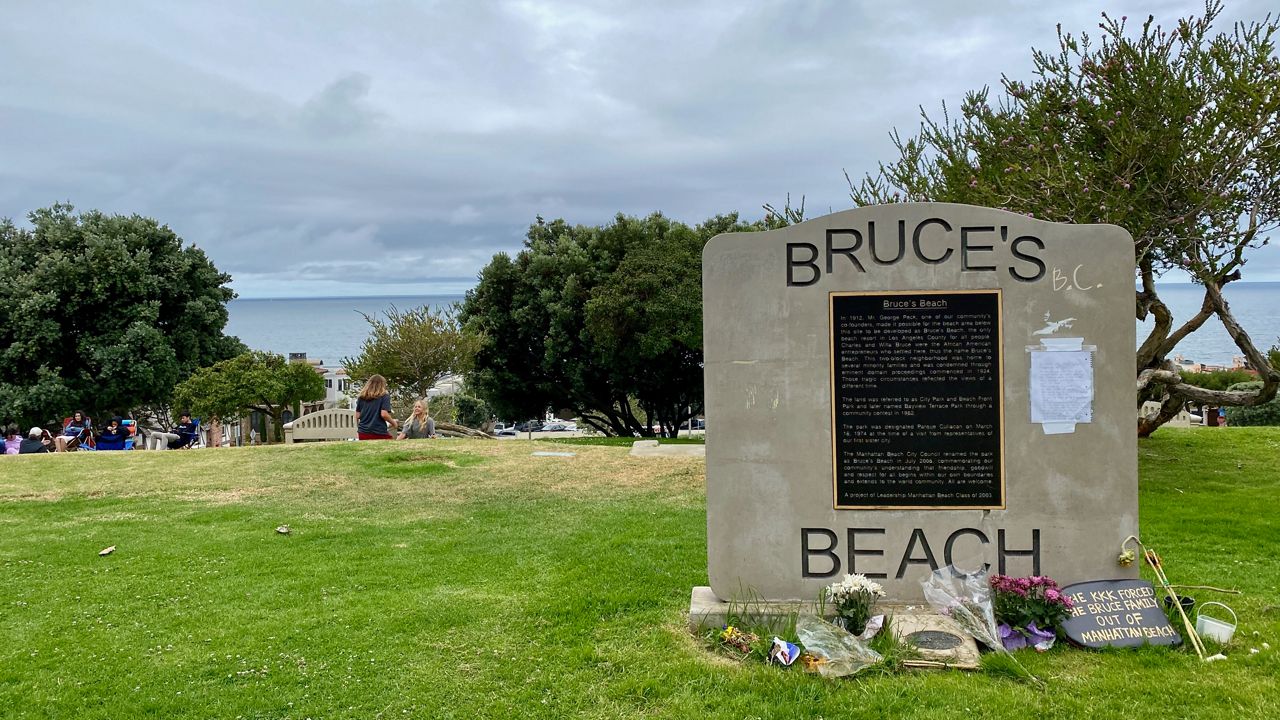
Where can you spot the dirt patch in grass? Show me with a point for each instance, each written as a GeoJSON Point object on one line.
{"type": "Point", "coordinates": [229, 496]}
{"type": "Point", "coordinates": [695, 646]}
{"type": "Point", "coordinates": [44, 496]}
{"type": "Point", "coordinates": [591, 471]}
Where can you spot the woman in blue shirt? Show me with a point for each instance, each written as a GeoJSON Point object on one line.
{"type": "Point", "coordinates": [374, 407]}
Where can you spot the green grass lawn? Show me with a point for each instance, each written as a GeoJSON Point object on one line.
{"type": "Point", "coordinates": [622, 441]}
{"type": "Point", "coordinates": [468, 579]}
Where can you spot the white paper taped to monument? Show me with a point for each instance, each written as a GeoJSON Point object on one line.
{"type": "Point", "coordinates": [1061, 386]}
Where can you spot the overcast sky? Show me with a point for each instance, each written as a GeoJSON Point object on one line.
{"type": "Point", "coordinates": [360, 148]}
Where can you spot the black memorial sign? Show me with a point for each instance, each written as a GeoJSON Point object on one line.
{"type": "Point", "coordinates": [917, 401]}
{"type": "Point", "coordinates": [1117, 613]}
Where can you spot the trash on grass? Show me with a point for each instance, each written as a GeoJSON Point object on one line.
{"type": "Point", "coordinates": [283, 530]}
{"type": "Point", "coordinates": [873, 626]}
{"type": "Point", "coordinates": [107, 551]}
{"type": "Point", "coordinates": [783, 652]}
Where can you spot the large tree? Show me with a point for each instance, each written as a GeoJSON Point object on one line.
{"type": "Point", "coordinates": [413, 349]}
{"type": "Point", "coordinates": [1173, 135]}
{"type": "Point", "coordinates": [254, 381]}
{"type": "Point", "coordinates": [644, 320]}
{"type": "Point", "coordinates": [103, 313]}
{"type": "Point", "coordinates": [598, 320]}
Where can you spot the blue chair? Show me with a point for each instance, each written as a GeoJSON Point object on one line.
{"type": "Point", "coordinates": [121, 441]}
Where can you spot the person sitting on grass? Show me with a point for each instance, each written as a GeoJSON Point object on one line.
{"type": "Point", "coordinates": [419, 425]}
{"type": "Point", "coordinates": [37, 441]}
{"type": "Point", "coordinates": [183, 435]}
{"type": "Point", "coordinates": [75, 432]}
{"type": "Point", "coordinates": [374, 407]}
{"type": "Point", "coordinates": [113, 435]}
{"type": "Point", "coordinates": [12, 439]}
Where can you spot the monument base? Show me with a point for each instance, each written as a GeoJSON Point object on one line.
{"type": "Point", "coordinates": [939, 639]}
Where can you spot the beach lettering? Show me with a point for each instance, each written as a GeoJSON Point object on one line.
{"type": "Point", "coordinates": [820, 555]}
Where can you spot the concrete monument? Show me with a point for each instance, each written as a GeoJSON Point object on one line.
{"type": "Point", "coordinates": [894, 388]}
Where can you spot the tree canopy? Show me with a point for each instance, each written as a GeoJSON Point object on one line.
{"type": "Point", "coordinates": [1172, 134]}
{"type": "Point", "coordinates": [592, 318]}
{"type": "Point", "coordinates": [413, 349]}
{"type": "Point", "coordinates": [261, 381]}
{"type": "Point", "coordinates": [103, 313]}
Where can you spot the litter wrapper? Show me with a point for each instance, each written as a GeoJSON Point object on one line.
{"type": "Point", "coordinates": [783, 652]}
{"type": "Point", "coordinates": [873, 626]}
{"type": "Point", "coordinates": [838, 652]}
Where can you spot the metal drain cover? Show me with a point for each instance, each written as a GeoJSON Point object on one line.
{"type": "Point", "coordinates": [934, 640]}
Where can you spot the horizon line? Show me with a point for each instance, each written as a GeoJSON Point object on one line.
{"type": "Point", "coordinates": [349, 297]}
{"type": "Point", "coordinates": [462, 294]}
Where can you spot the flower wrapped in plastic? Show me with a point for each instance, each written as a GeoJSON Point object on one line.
{"type": "Point", "coordinates": [966, 598]}
{"type": "Point", "coordinates": [838, 653]}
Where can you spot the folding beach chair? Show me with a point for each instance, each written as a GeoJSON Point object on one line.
{"type": "Point", "coordinates": [132, 427]}
{"type": "Point", "coordinates": [85, 438]}
{"type": "Point", "coordinates": [199, 441]}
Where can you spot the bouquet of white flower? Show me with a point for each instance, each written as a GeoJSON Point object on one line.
{"type": "Point", "coordinates": [853, 598]}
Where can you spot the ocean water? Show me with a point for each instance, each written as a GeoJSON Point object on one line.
{"type": "Point", "coordinates": [327, 329]}
{"type": "Point", "coordinates": [1256, 306]}
{"type": "Point", "coordinates": [330, 329]}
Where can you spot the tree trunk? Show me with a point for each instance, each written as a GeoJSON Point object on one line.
{"type": "Point", "coordinates": [1158, 378]}
{"type": "Point", "coordinates": [462, 431]}
{"type": "Point", "coordinates": [1169, 409]}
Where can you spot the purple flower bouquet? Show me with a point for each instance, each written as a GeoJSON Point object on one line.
{"type": "Point", "coordinates": [1029, 610]}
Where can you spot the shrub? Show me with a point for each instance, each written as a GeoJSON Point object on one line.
{"type": "Point", "coordinates": [1220, 379]}
{"type": "Point", "coordinates": [473, 412]}
{"type": "Point", "coordinates": [1264, 414]}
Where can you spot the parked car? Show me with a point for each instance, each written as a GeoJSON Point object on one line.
{"type": "Point", "coordinates": [529, 426]}
{"type": "Point", "coordinates": [507, 432]}
{"type": "Point", "coordinates": [555, 427]}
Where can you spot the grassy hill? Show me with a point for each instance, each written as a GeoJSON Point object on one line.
{"type": "Point", "coordinates": [469, 579]}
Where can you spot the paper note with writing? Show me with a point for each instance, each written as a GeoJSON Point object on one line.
{"type": "Point", "coordinates": [1062, 386]}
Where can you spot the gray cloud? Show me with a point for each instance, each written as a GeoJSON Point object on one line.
{"type": "Point", "coordinates": [333, 148]}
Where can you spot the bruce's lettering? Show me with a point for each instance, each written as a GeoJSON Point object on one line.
{"type": "Point", "coordinates": [933, 241]}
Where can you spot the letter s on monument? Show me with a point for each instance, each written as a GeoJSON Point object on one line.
{"type": "Point", "coordinates": [1032, 259]}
